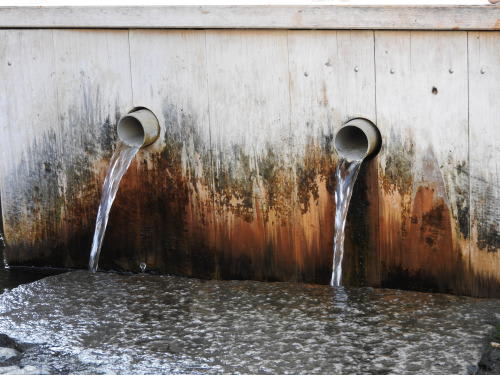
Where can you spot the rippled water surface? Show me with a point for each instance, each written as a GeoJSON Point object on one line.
{"type": "Point", "coordinates": [102, 323]}
{"type": "Point", "coordinates": [10, 278]}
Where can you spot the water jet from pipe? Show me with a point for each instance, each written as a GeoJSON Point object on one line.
{"type": "Point", "coordinates": [354, 142]}
{"type": "Point", "coordinates": [137, 129]}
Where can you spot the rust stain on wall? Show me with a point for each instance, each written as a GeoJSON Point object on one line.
{"type": "Point", "coordinates": [428, 258]}
{"type": "Point", "coordinates": [52, 194]}
{"type": "Point", "coordinates": [256, 217]}
{"type": "Point", "coordinates": [184, 211]}
{"type": "Point", "coordinates": [423, 244]}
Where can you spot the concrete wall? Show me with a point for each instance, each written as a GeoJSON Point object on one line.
{"type": "Point", "coordinates": [240, 184]}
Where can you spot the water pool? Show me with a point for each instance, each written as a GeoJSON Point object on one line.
{"type": "Point", "coordinates": [105, 323]}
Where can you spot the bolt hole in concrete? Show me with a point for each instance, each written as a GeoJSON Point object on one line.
{"type": "Point", "coordinates": [435, 90]}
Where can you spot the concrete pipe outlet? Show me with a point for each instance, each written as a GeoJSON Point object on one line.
{"type": "Point", "coordinates": [357, 139]}
{"type": "Point", "coordinates": [138, 128]}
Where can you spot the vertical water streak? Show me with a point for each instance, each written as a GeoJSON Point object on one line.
{"type": "Point", "coordinates": [120, 161]}
{"type": "Point", "coordinates": [2, 250]}
{"type": "Point", "coordinates": [345, 176]}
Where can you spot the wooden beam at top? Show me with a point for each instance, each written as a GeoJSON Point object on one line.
{"type": "Point", "coordinates": [402, 17]}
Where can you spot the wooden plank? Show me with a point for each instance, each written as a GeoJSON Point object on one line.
{"type": "Point", "coordinates": [28, 108]}
{"type": "Point", "coordinates": [317, 16]}
{"type": "Point", "coordinates": [484, 112]}
{"type": "Point", "coordinates": [66, 89]}
{"type": "Point", "coordinates": [173, 178]}
{"type": "Point", "coordinates": [250, 129]}
{"type": "Point", "coordinates": [239, 184]}
{"type": "Point", "coordinates": [423, 116]}
{"type": "Point", "coordinates": [93, 90]}
{"type": "Point", "coordinates": [332, 80]}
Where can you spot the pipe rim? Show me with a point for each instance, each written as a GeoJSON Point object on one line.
{"type": "Point", "coordinates": [138, 128]}
{"type": "Point", "coordinates": [357, 139]}
{"type": "Point", "coordinates": [131, 132]}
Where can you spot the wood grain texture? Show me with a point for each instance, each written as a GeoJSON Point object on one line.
{"type": "Point", "coordinates": [317, 16]}
{"type": "Point", "coordinates": [484, 130]}
{"type": "Point", "coordinates": [423, 177]}
{"type": "Point", "coordinates": [250, 128]}
{"type": "Point", "coordinates": [247, 192]}
{"type": "Point", "coordinates": [64, 91]}
{"type": "Point", "coordinates": [240, 183]}
{"type": "Point", "coordinates": [165, 210]}
{"type": "Point", "coordinates": [28, 92]}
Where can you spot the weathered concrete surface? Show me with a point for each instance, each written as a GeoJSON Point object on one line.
{"type": "Point", "coordinates": [240, 184]}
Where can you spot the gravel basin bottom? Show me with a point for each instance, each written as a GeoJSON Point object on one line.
{"type": "Point", "coordinates": [106, 323]}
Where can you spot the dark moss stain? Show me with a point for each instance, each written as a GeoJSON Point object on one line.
{"type": "Point", "coordinates": [318, 161]}
{"type": "Point", "coordinates": [244, 185]}
{"type": "Point", "coordinates": [487, 217]}
{"type": "Point", "coordinates": [399, 162]}
{"type": "Point", "coordinates": [53, 193]}
{"type": "Point", "coordinates": [269, 168]}
{"type": "Point", "coordinates": [183, 132]}
{"type": "Point", "coordinates": [434, 217]}
{"type": "Point", "coordinates": [234, 183]}
{"type": "Point", "coordinates": [460, 180]}
{"type": "Point", "coordinates": [307, 172]}
{"type": "Point", "coordinates": [463, 218]}
{"type": "Point", "coordinates": [434, 227]}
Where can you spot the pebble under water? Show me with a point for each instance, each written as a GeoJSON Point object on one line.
{"type": "Point", "coordinates": [104, 323]}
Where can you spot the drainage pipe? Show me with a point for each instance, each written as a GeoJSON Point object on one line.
{"type": "Point", "coordinates": [138, 128]}
{"type": "Point", "coordinates": [357, 139]}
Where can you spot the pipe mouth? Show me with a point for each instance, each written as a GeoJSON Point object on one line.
{"type": "Point", "coordinates": [139, 128]}
{"type": "Point", "coordinates": [357, 139]}
{"type": "Point", "coordinates": [131, 131]}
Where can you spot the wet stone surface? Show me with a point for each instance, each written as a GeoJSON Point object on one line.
{"type": "Point", "coordinates": [82, 323]}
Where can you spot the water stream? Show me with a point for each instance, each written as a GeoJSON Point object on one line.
{"type": "Point", "coordinates": [120, 161]}
{"type": "Point", "coordinates": [345, 176]}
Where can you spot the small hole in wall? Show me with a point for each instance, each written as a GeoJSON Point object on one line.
{"type": "Point", "coordinates": [435, 90]}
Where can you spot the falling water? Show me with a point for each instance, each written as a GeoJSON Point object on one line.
{"type": "Point", "coordinates": [345, 176]}
{"type": "Point", "coordinates": [120, 161]}
{"type": "Point", "coordinates": [2, 250]}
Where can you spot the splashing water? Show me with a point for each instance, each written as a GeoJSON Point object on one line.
{"type": "Point", "coordinates": [345, 176]}
{"type": "Point", "coordinates": [120, 161]}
